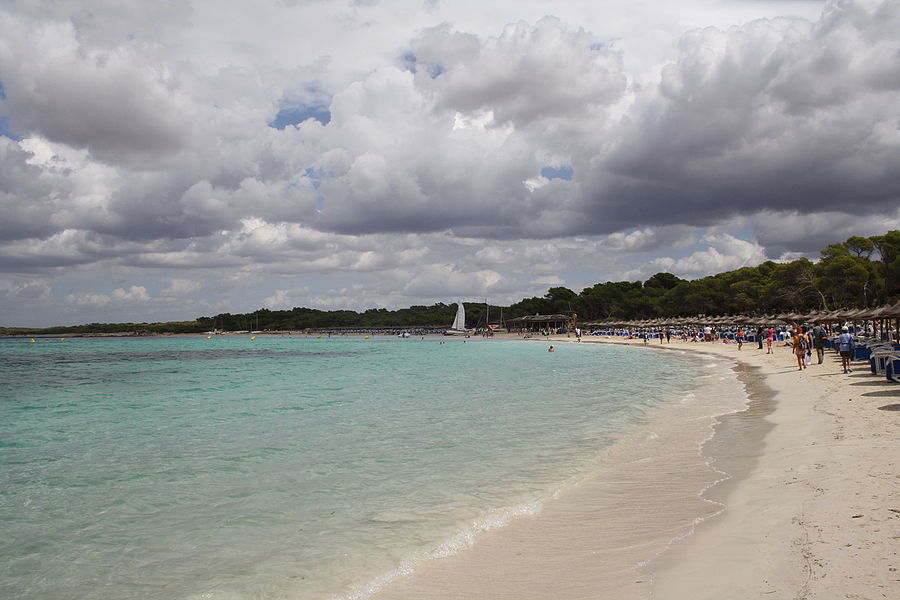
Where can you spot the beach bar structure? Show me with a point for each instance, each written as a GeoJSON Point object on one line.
{"type": "Point", "coordinates": [539, 323]}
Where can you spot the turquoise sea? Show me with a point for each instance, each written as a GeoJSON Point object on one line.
{"type": "Point", "coordinates": [290, 467]}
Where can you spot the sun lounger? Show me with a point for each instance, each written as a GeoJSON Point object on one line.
{"type": "Point", "coordinates": [879, 357]}
{"type": "Point", "coordinates": [892, 368]}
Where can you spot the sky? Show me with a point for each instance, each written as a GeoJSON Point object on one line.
{"type": "Point", "coordinates": [166, 160]}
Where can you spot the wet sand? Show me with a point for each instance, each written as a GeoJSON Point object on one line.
{"type": "Point", "coordinates": [798, 496]}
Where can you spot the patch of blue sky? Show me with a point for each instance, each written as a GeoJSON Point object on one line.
{"type": "Point", "coordinates": [408, 59]}
{"type": "Point", "coordinates": [745, 233]}
{"type": "Point", "coordinates": [558, 173]}
{"type": "Point", "coordinates": [315, 177]}
{"type": "Point", "coordinates": [411, 63]}
{"type": "Point", "coordinates": [294, 115]}
{"type": "Point", "coordinates": [6, 130]}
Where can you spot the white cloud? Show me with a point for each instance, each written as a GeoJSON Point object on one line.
{"type": "Point", "coordinates": [182, 287]}
{"type": "Point", "coordinates": [548, 280]}
{"type": "Point", "coordinates": [724, 252]}
{"type": "Point", "coordinates": [134, 294]}
{"type": "Point", "coordinates": [30, 292]}
{"type": "Point", "coordinates": [281, 299]}
{"type": "Point", "coordinates": [652, 238]}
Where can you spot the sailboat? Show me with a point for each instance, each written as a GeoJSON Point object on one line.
{"type": "Point", "coordinates": [459, 322]}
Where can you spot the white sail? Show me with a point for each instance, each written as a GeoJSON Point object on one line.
{"type": "Point", "coordinates": [459, 323]}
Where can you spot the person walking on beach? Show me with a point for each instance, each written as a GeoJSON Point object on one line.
{"type": "Point", "coordinates": [800, 346]}
{"type": "Point", "coordinates": [759, 336]}
{"type": "Point", "coordinates": [846, 345]}
{"type": "Point", "coordinates": [739, 338]}
{"type": "Point", "coordinates": [770, 339]}
{"type": "Point", "coordinates": [807, 358]}
{"type": "Point", "coordinates": [819, 336]}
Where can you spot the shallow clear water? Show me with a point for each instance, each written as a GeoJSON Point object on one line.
{"type": "Point", "coordinates": [182, 467]}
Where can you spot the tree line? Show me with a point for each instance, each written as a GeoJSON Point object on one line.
{"type": "Point", "coordinates": [860, 272]}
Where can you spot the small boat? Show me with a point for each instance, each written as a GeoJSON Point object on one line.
{"type": "Point", "coordinates": [459, 322]}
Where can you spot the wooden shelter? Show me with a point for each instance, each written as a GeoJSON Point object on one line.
{"type": "Point", "coordinates": [540, 322]}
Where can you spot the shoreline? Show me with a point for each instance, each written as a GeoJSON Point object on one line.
{"type": "Point", "coordinates": [817, 513]}
{"type": "Point", "coordinates": [814, 517]}
{"type": "Point", "coordinates": [601, 537]}
{"type": "Point", "coordinates": [805, 500]}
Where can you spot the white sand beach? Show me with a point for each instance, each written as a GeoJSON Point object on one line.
{"type": "Point", "coordinates": [810, 506]}
{"type": "Point", "coordinates": [819, 514]}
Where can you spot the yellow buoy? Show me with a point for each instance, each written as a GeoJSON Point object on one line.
{"type": "Point", "coordinates": [31, 341]}
{"type": "Point", "coordinates": [253, 338]}
{"type": "Point", "coordinates": [62, 339]}
{"type": "Point", "coordinates": [209, 337]}
{"type": "Point", "coordinates": [365, 337]}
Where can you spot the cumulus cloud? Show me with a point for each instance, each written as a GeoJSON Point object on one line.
{"type": "Point", "coordinates": [135, 293]}
{"type": "Point", "coordinates": [29, 292]}
{"type": "Point", "coordinates": [181, 287]}
{"type": "Point", "coordinates": [116, 102]}
{"type": "Point", "coordinates": [524, 76]}
{"type": "Point", "coordinates": [651, 238]}
{"type": "Point", "coordinates": [777, 113]}
{"type": "Point", "coordinates": [724, 252]}
{"type": "Point", "coordinates": [333, 153]}
{"type": "Point", "coordinates": [788, 231]}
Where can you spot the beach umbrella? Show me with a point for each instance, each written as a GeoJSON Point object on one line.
{"type": "Point", "coordinates": [892, 311]}
{"type": "Point", "coordinates": [855, 313]}
{"type": "Point", "coordinates": [812, 316]}
{"type": "Point", "coordinates": [820, 316]}
{"type": "Point", "coordinates": [832, 317]}
{"type": "Point", "coordinates": [868, 313]}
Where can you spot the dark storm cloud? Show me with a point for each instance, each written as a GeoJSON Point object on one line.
{"type": "Point", "coordinates": [99, 103]}
{"type": "Point", "coordinates": [20, 180]}
{"type": "Point", "coordinates": [779, 114]}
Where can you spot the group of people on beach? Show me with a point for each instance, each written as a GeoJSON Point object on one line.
{"type": "Point", "coordinates": [806, 339]}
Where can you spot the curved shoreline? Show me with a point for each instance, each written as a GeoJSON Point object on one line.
{"type": "Point", "coordinates": [816, 513]}
{"type": "Point", "coordinates": [603, 537]}
{"type": "Point", "coordinates": [788, 498]}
